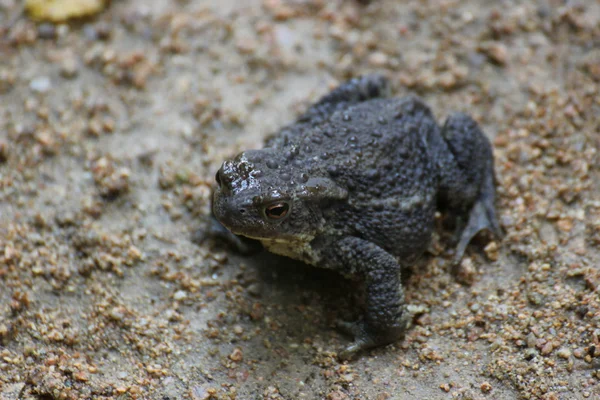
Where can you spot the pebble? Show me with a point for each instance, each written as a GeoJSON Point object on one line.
{"type": "Point", "coordinates": [486, 387]}
{"type": "Point", "coordinates": [496, 52]}
{"type": "Point", "coordinates": [238, 330]}
{"type": "Point", "coordinates": [564, 352]}
{"type": "Point", "coordinates": [579, 352]}
{"type": "Point", "coordinates": [4, 152]}
{"type": "Point", "coordinates": [41, 84]}
{"type": "Point", "coordinates": [69, 68]}
{"type": "Point", "coordinates": [202, 393]}
{"type": "Point", "coordinates": [180, 295]}
{"type": "Point", "coordinates": [236, 355]}
{"type": "Point", "coordinates": [255, 289]}
{"type": "Point", "coordinates": [378, 59]}
{"type": "Point", "coordinates": [89, 32]}
{"type": "Point", "coordinates": [491, 251]}
{"type": "Point", "coordinates": [547, 348]}
{"type": "Point", "coordinates": [117, 313]}
{"type": "Point", "coordinates": [46, 31]}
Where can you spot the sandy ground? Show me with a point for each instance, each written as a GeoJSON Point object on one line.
{"type": "Point", "coordinates": [111, 130]}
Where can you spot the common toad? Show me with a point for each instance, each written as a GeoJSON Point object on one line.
{"type": "Point", "coordinates": [353, 185]}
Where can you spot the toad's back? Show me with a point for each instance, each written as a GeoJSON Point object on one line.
{"type": "Point", "coordinates": [382, 151]}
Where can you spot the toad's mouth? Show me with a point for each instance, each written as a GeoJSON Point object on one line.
{"type": "Point", "coordinates": [277, 237]}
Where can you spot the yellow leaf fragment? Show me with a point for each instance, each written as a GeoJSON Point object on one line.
{"type": "Point", "coordinates": [62, 10]}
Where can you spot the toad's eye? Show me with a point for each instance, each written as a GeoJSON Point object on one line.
{"type": "Point", "coordinates": [277, 210]}
{"type": "Point", "coordinates": [218, 178]}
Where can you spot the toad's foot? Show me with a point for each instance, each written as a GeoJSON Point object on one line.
{"type": "Point", "coordinates": [467, 177]}
{"type": "Point", "coordinates": [366, 338]}
{"type": "Point", "coordinates": [213, 229]}
{"type": "Point", "coordinates": [482, 216]}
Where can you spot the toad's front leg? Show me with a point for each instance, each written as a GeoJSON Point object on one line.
{"type": "Point", "coordinates": [385, 318]}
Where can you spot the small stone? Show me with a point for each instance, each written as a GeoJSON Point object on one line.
{"type": "Point", "coordinates": [103, 31]}
{"type": "Point", "coordinates": [547, 348]}
{"type": "Point", "coordinates": [90, 33]}
{"type": "Point", "coordinates": [171, 315]}
{"type": "Point", "coordinates": [3, 152]}
{"type": "Point", "coordinates": [221, 258]}
{"type": "Point", "coordinates": [486, 387]}
{"type": "Point", "coordinates": [491, 250]}
{"type": "Point", "coordinates": [564, 352]}
{"type": "Point", "coordinates": [180, 295]}
{"type": "Point", "coordinates": [247, 45]}
{"type": "Point", "coordinates": [236, 354]}
{"type": "Point", "coordinates": [466, 271]}
{"type": "Point", "coordinates": [81, 376]}
{"type": "Point", "coordinates": [94, 127]}
{"type": "Point", "coordinates": [255, 289]}
{"type": "Point", "coordinates": [121, 390]}
{"type": "Point", "coordinates": [531, 340]}
{"type": "Point", "coordinates": [565, 225]}
{"type": "Point", "coordinates": [7, 80]}
{"type": "Point", "coordinates": [69, 68]}
{"type": "Point", "coordinates": [378, 59]}
{"type": "Point", "coordinates": [530, 354]}
{"type": "Point", "coordinates": [238, 330]}
{"type": "Point", "coordinates": [41, 84]}
{"type": "Point", "coordinates": [66, 218]}
{"type": "Point", "coordinates": [46, 31]}
{"type": "Point", "coordinates": [202, 393]}
{"type": "Point", "coordinates": [4, 331]}
{"type": "Point", "coordinates": [337, 395]}
{"type": "Point", "coordinates": [117, 313]}
{"type": "Point", "coordinates": [134, 254]}
{"type": "Point", "coordinates": [447, 80]}
{"type": "Point", "coordinates": [496, 52]}
{"type": "Point", "coordinates": [535, 298]}
{"type": "Point", "coordinates": [55, 336]}
{"type": "Point", "coordinates": [579, 353]}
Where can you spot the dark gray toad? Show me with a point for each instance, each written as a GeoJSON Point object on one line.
{"type": "Point", "coordinates": [353, 185]}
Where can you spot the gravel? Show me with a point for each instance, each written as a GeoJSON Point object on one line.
{"type": "Point", "coordinates": [111, 130]}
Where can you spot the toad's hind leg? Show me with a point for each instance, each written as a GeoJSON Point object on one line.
{"type": "Point", "coordinates": [467, 178]}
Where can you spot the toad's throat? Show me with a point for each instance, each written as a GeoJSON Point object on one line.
{"type": "Point", "coordinates": [298, 248]}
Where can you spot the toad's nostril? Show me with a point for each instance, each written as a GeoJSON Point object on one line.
{"type": "Point", "coordinates": [242, 211]}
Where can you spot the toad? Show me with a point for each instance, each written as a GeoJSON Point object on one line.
{"type": "Point", "coordinates": [353, 185]}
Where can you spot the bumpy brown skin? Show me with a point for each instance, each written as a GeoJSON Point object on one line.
{"type": "Point", "coordinates": [353, 185]}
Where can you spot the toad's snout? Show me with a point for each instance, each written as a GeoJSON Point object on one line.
{"type": "Point", "coordinates": [232, 214]}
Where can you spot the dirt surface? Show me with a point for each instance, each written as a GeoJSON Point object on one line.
{"type": "Point", "coordinates": [111, 130]}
